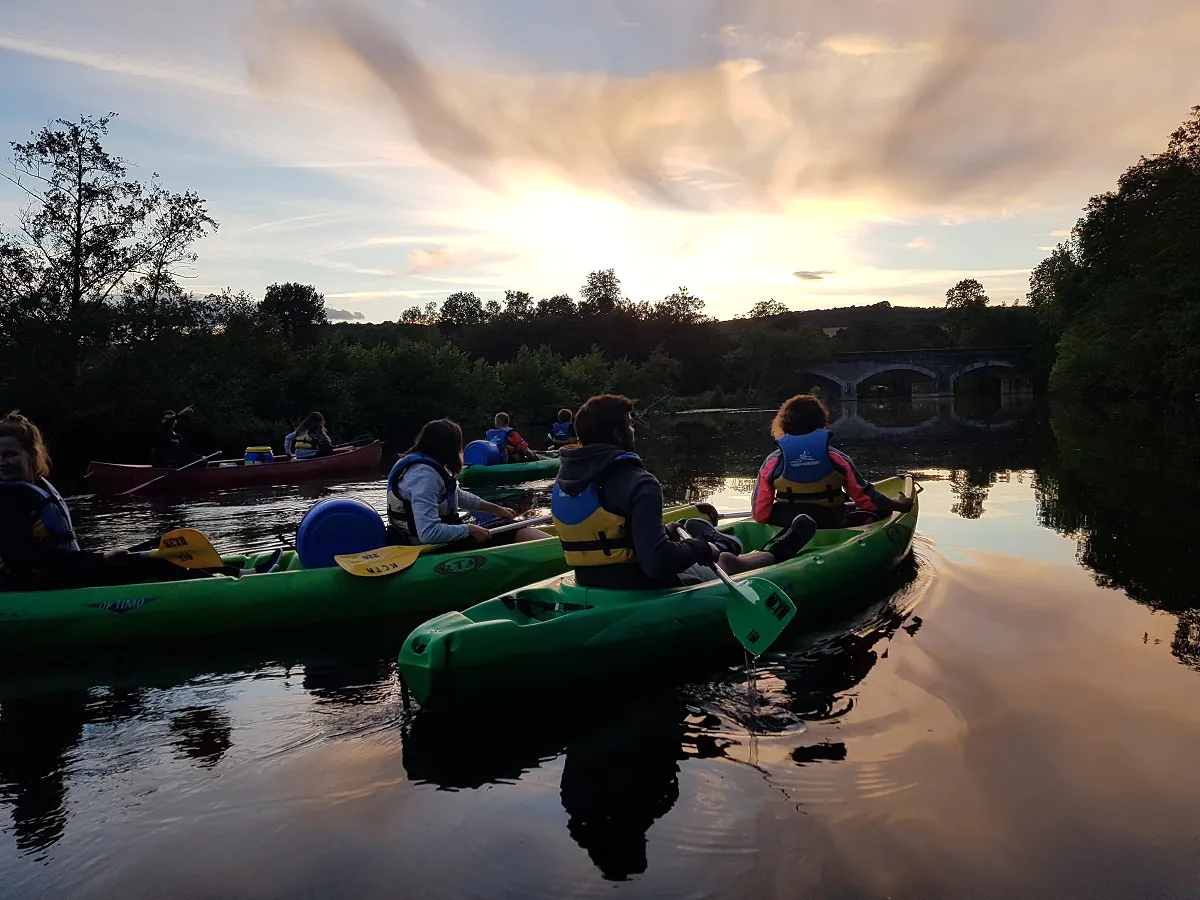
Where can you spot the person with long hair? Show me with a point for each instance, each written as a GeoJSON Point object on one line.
{"type": "Point", "coordinates": [38, 546]}
{"type": "Point", "coordinates": [310, 439]}
{"type": "Point", "coordinates": [424, 499]}
{"type": "Point", "coordinates": [808, 476]}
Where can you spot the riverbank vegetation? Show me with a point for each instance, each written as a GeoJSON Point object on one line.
{"type": "Point", "coordinates": [99, 334]}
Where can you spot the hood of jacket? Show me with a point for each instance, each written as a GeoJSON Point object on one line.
{"type": "Point", "coordinates": [580, 466]}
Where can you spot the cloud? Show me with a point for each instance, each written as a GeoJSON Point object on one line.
{"type": "Point", "coordinates": [441, 258]}
{"type": "Point", "coordinates": [1061, 232]}
{"type": "Point", "coordinates": [920, 243]}
{"type": "Point", "coordinates": [818, 275]}
{"type": "Point", "coordinates": [346, 315]}
{"type": "Point", "coordinates": [860, 45]}
{"type": "Point", "coordinates": [961, 118]}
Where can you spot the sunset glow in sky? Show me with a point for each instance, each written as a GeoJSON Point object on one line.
{"type": "Point", "coordinates": [824, 154]}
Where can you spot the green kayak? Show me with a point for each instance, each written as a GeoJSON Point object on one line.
{"type": "Point", "coordinates": [557, 631]}
{"type": "Point", "coordinates": [293, 597]}
{"type": "Point", "coordinates": [546, 466]}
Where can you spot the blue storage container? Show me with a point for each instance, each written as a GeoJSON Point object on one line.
{"type": "Point", "coordinates": [258, 455]}
{"type": "Point", "coordinates": [483, 453]}
{"type": "Point", "coordinates": [336, 526]}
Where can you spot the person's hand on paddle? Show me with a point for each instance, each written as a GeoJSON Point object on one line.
{"type": "Point", "coordinates": [478, 533]}
{"type": "Point", "coordinates": [500, 512]}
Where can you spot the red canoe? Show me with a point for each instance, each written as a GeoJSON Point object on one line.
{"type": "Point", "coordinates": [221, 475]}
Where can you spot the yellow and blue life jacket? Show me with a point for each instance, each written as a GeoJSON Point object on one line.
{"type": "Point", "coordinates": [591, 534]}
{"type": "Point", "coordinates": [563, 433]}
{"type": "Point", "coordinates": [400, 514]}
{"type": "Point", "coordinates": [807, 476]}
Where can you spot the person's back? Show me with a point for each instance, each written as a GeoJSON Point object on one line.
{"type": "Point", "coordinates": [509, 440]}
{"type": "Point", "coordinates": [608, 509]}
{"type": "Point", "coordinates": [562, 433]}
{"type": "Point", "coordinates": [309, 440]}
{"type": "Point", "coordinates": [807, 476]}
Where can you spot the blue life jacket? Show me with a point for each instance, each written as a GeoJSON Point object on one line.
{"type": "Point", "coordinates": [807, 476]}
{"type": "Point", "coordinates": [51, 522]}
{"type": "Point", "coordinates": [498, 436]}
{"type": "Point", "coordinates": [400, 514]}
{"type": "Point", "coordinates": [562, 432]}
{"type": "Point", "coordinates": [590, 534]}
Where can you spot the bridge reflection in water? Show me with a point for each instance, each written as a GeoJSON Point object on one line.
{"type": "Point", "coordinates": [927, 417]}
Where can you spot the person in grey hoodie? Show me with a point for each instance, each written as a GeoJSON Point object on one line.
{"type": "Point", "coordinates": [424, 498]}
{"type": "Point", "coordinates": [608, 512]}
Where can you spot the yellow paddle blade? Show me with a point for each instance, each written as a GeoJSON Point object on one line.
{"type": "Point", "coordinates": [384, 561]}
{"type": "Point", "coordinates": [188, 548]}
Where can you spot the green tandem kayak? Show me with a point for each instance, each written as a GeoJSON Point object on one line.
{"type": "Point", "coordinates": [546, 466]}
{"type": "Point", "coordinates": [558, 632]}
{"type": "Point", "coordinates": [293, 597]}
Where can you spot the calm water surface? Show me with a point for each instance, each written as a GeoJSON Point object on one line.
{"type": "Point", "coordinates": [1016, 713]}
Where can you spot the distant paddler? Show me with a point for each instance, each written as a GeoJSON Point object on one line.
{"type": "Point", "coordinates": [310, 439]}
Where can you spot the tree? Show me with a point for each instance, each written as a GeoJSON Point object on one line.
{"type": "Point", "coordinates": [558, 305]}
{"type": "Point", "coordinates": [296, 308]}
{"type": "Point", "coordinates": [764, 308]}
{"type": "Point", "coordinates": [86, 228]}
{"type": "Point", "coordinates": [967, 294]}
{"type": "Point", "coordinates": [679, 308]}
{"type": "Point", "coordinates": [491, 311]}
{"type": "Point", "coordinates": [601, 293]}
{"type": "Point", "coordinates": [418, 315]}
{"type": "Point", "coordinates": [460, 309]}
{"type": "Point", "coordinates": [518, 305]}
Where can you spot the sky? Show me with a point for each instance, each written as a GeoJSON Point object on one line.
{"type": "Point", "coordinates": [818, 152]}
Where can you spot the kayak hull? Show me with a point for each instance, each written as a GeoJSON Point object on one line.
{"type": "Point", "coordinates": [218, 475]}
{"type": "Point", "coordinates": [511, 473]}
{"type": "Point", "coordinates": [294, 597]}
{"type": "Point", "coordinates": [558, 631]}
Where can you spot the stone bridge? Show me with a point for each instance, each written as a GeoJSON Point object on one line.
{"type": "Point", "coordinates": [844, 376]}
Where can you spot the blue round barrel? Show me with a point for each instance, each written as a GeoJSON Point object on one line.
{"type": "Point", "coordinates": [258, 455]}
{"type": "Point", "coordinates": [336, 526]}
{"type": "Point", "coordinates": [482, 453]}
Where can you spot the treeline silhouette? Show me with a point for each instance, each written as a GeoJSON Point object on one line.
{"type": "Point", "coordinates": [1121, 296]}
{"type": "Point", "coordinates": [99, 335]}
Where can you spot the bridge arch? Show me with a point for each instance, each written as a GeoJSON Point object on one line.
{"type": "Point", "coordinates": [832, 386]}
{"type": "Point", "coordinates": [883, 368]}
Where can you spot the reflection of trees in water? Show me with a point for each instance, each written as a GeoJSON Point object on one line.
{"type": "Point", "coordinates": [201, 733]}
{"type": "Point", "coordinates": [37, 734]}
{"type": "Point", "coordinates": [970, 488]}
{"type": "Point", "coordinates": [1122, 484]}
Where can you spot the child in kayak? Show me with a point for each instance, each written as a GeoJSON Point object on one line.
{"type": "Point", "coordinates": [310, 439]}
{"type": "Point", "coordinates": [562, 433]}
{"type": "Point", "coordinates": [424, 498]}
{"type": "Point", "coordinates": [38, 546]}
{"type": "Point", "coordinates": [806, 475]}
{"type": "Point", "coordinates": [608, 511]}
{"type": "Point", "coordinates": [508, 439]}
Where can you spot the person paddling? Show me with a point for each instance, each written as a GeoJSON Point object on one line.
{"type": "Point", "coordinates": [608, 512]}
{"type": "Point", "coordinates": [38, 546]}
{"type": "Point", "coordinates": [508, 439]}
{"type": "Point", "coordinates": [169, 450]}
{"type": "Point", "coordinates": [424, 499]}
{"type": "Point", "coordinates": [807, 475]}
{"type": "Point", "coordinates": [310, 439]}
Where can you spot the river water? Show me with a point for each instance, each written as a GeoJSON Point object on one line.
{"type": "Point", "coordinates": [1016, 713]}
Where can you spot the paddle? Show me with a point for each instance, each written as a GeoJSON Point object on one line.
{"type": "Point", "coordinates": [390, 560]}
{"type": "Point", "coordinates": [194, 462]}
{"type": "Point", "coordinates": [757, 610]}
{"type": "Point", "coordinates": [362, 439]}
{"type": "Point", "coordinates": [188, 548]}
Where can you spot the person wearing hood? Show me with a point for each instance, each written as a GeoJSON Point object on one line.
{"type": "Point", "coordinates": [608, 512]}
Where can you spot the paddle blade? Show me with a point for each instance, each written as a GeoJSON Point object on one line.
{"type": "Point", "coordinates": [758, 612]}
{"type": "Point", "coordinates": [188, 548]}
{"type": "Point", "coordinates": [384, 561]}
